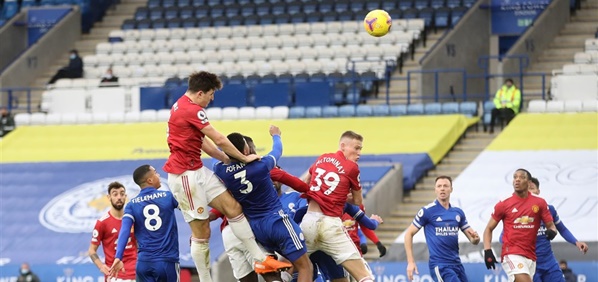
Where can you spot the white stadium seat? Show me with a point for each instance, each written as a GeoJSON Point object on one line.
{"type": "Point", "coordinates": [163, 115]}
{"type": "Point", "coordinates": [537, 106]}
{"type": "Point", "coordinates": [68, 118]}
{"type": "Point", "coordinates": [263, 113]}
{"type": "Point", "coordinates": [573, 106]}
{"type": "Point", "coordinates": [100, 118]}
{"type": "Point", "coordinates": [230, 113]}
{"type": "Point", "coordinates": [555, 106]}
{"type": "Point", "coordinates": [246, 113]}
{"type": "Point", "coordinates": [148, 116]}
{"type": "Point", "coordinates": [22, 119]}
{"type": "Point", "coordinates": [214, 113]}
{"type": "Point", "coordinates": [280, 112]}
{"type": "Point", "coordinates": [84, 118]}
{"type": "Point", "coordinates": [132, 117]}
{"type": "Point", "coordinates": [590, 106]}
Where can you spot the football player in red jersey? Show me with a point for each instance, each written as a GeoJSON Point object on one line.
{"type": "Point", "coordinates": [196, 187]}
{"type": "Point", "coordinates": [106, 232]}
{"type": "Point", "coordinates": [521, 214]}
{"type": "Point", "coordinates": [332, 177]}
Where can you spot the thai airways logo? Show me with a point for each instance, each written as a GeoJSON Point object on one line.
{"type": "Point", "coordinates": [78, 209]}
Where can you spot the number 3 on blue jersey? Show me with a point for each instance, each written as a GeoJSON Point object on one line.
{"type": "Point", "coordinates": [242, 175]}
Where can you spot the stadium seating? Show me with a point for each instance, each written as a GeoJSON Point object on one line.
{"type": "Point", "coordinates": [579, 80]}
{"type": "Point", "coordinates": [149, 114]}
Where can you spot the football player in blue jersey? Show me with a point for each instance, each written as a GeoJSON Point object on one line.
{"type": "Point", "coordinates": [441, 223]}
{"type": "Point", "coordinates": [251, 185]}
{"type": "Point", "coordinates": [547, 266]}
{"type": "Point", "coordinates": [151, 213]}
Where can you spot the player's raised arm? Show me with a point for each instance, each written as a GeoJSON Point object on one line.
{"type": "Point", "coordinates": [276, 152]}
{"type": "Point", "coordinates": [209, 148]}
{"type": "Point", "coordinates": [221, 141]}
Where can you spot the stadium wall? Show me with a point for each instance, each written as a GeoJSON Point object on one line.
{"type": "Point", "coordinates": [459, 49]}
{"type": "Point", "coordinates": [386, 194]}
{"type": "Point", "coordinates": [14, 40]}
{"type": "Point", "coordinates": [42, 55]}
{"type": "Point", "coordinates": [538, 35]}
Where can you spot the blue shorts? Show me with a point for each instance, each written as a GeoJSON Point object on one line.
{"type": "Point", "coordinates": [549, 272]}
{"type": "Point", "coordinates": [158, 271]}
{"type": "Point", "coordinates": [278, 233]}
{"type": "Point", "coordinates": [448, 273]}
{"type": "Point", "coordinates": [328, 267]}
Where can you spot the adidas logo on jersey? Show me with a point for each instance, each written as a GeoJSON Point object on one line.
{"type": "Point", "coordinates": [439, 219]}
{"type": "Point", "coordinates": [114, 230]}
{"type": "Point", "coordinates": [514, 210]}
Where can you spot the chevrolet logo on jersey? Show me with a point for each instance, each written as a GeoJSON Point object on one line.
{"type": "Point", "coordinates": [523, 222]}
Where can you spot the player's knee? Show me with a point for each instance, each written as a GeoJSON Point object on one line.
{"type": "Point", "coordinates": [227, 205]}
{"type": "Point", "coordinates": [200, 229]}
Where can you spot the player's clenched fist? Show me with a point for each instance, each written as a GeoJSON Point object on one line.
{"type": "Point", "coordinates": [274, 130]}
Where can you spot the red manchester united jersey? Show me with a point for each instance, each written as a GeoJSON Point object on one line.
{"type": "Point", "coordinates": [185, 138]}
{"type": "Point", "coordinates": [521, 219]}
{"type": "Point", "coordinates": [106, 233]}
{"type": "Point", "coordinates": [332, 178]}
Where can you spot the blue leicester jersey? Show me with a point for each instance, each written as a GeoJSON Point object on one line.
{"type": "Point", "coordinates": [291, 202]}
{"type": "Point", "coordinates": [251, 185]}
{"type": "Point", "coordinates": [441, 228]}
{"type": "Point", "coordinates": [151, 213]}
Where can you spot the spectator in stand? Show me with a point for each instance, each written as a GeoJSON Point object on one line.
{"type": "Point", "coordinates": [109, 79]}
{"type": "Point", "coordinates": [567, 272]}
{"type": "Point", "coordinates": [506, 101]}
{"type": "Point", "coordinates": [7, 122]}
{"type": "Point", "coordinates": [25, 274]}
{"type": "Point", "coordinates": [73, 70]}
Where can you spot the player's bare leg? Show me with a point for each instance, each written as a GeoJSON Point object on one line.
{"type": "Point", "coordinates": [305, 269]}
{"type": "Point", "coordinates": [340, 280]}
{"type": "Point", "coordinates": [522, 277]}
{"type": "Point", "coordinates": [226, 204]}
{"type": "Point", "coordinates": [200, 248]}
{"type": "Point", "coordinates": [357, 269]}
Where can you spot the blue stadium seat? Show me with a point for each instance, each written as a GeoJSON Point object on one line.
{"type": "Point", "coordinates": [382, 110]}
{"type": "Point", "coordinates": [457, 13]}
{"type": "Point", "coordinates": [431, 109]}
{"type": "Point", "coordinates": [488, 106]}
{"type": "Point", "coordinates": [297, 112]}
{"type": "Point", "coordinates": [189, 23]}
{"type": "Point", "coordinates": [248, 9]}
{"type": "Point", "coordinates": [159, 23]}
{"type": "Point", "coordinates": [415, 109]}
{"type": "Point", "coordinates": [346, 111]}
{"type": "Point", "coordinates": [202, 12]}
{"type": "Point", "coordinates": [263, 9]}
{"type": "Point", "coordinates": [285, 77]}
{"type": "Point", "coordinates": [268, 19]}
{"type": "Point", "coordinates": [410, 13]}
{"type": "Point", "coordinates": [293, 8]}
{"type": "Point", "coordinates": [174, 94]}
{"type": "Point", "coordinates": [318, 77]}
{"type": "Point", "coordinates": [372, 5]}
{"type": "Point", "coordinates": [144, 24]}
{"type": "Point", "coordinates": [356, 6]}
{"type": "Point", "coordinates": [184, 4]}
{"type": "Point", "coordinates": [389, 5]}
{"type": "Point", "coordinates": [311, 7]}
{"type": "Point", "coordinates": [141, 13]}
{"type": "Point", "coordinates": [232, 95]}
{"type": "Point", "coordinates": [198, 3]}
{"type": "Point", "coordinates": [405, 4]}
{"type": "Point", "coordinates": [453, 3]}
{"type": "Point", "coordinates": [468, 3]}
{"type": "Point", "coordinates": [152, 98]}
{"type": "Point", "coordinates": [299, 18]}
{"type": "Point", "coordinates": [251, 20]}
{"type": "Point", "coordinates": [342, 5]}
{"type": "Point", "coordinates": [312, 94]}
{"type": "Point", "coordinates": [313, 112]}
{"type": "Point", "coordinates": [220, 21]}
{"type": "Point", "coordinates": [232, 10]}
{"type": "Point", "coordinates": [129, 24]}
{"type": "Point", "coordinates": [314, 17]}
{"type": "Point", "coordinates": [437, 4]}
{"type": "Point", "coordinates": [428, 15]}
{"type": "Point", "coordinates": [168, 3]}
{"type": "Point", "coordinates": [450, 108]}
{"type": "Point", "coordinates": [217, 11]}
{"type": "Point", "coordinates": [205, 22]}
{"type": "Point", "coordinates": [301, 77]}
{"type": "Point", "coordinates": [364, 111]}
{"type": "Point", "coordinates": [330, 16]}
{"type": "Point", "coordinates": [346, 16]}
{"type": "Point", "coordinates": [156, 13]}
{"type": "Point", "coordinates": [271, 94]}
{"type": "Point", "coordinates": [171, 13]}
{"type": "Point", "coordinates": [228, 2]}
{"type": "Point", "coordinates": [442, 18]}
{"type": "Point", "coordinates": [326, 6]}
{"type": "Point", "coordinates": [186, 13]}
{"type": "Point", "coordinates": [236, 79]}
{"type": "Point", "coordinates": [395, 13]}
{"type": "Point", "coordinates": [282, 19]}
{"type": "Point", "coordinates": [212, 2]}
{"type": "Point", "coordinates": [236, 20]}
{"type": "Point", "coordinates": [154, 3]}
{"type": "Point", "coordinates": [420, 4]}
{"type": "Point", "coordinates": [330, 111]}
{"type": "Point", "coordinates": [269, 78]}
{"type": "Point", "coordinates": [469, 108]}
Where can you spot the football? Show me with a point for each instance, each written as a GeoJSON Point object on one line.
{"type": "Point", "coordinates": [377, 23]}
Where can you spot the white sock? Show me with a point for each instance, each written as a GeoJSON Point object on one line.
{"type": "Point", "coordinates": [286, 277]}
{"type": "Point", "coordinates": [366, 279]}
{"type": "Point", "coordinates": [242, 230]}
{"type": "Point", "coordinates": [200, 252]}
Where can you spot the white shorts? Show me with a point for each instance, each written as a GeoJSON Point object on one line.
{"type": "Point", "coordinates": [194, 190]}
{"type": "Point", "coordinates": [327, 234]}
{"type": "Point", "coordinates": [240, 259]}
{"type": "Point", "coordinates": [120, 280]}
{"type": "Point", "coordinates": [516, 264]}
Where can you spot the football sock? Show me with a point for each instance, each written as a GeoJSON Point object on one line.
{"type": "Point", "coordinates": [242, 230]}
{"type": "Point", "coordinates": [200, 252]}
